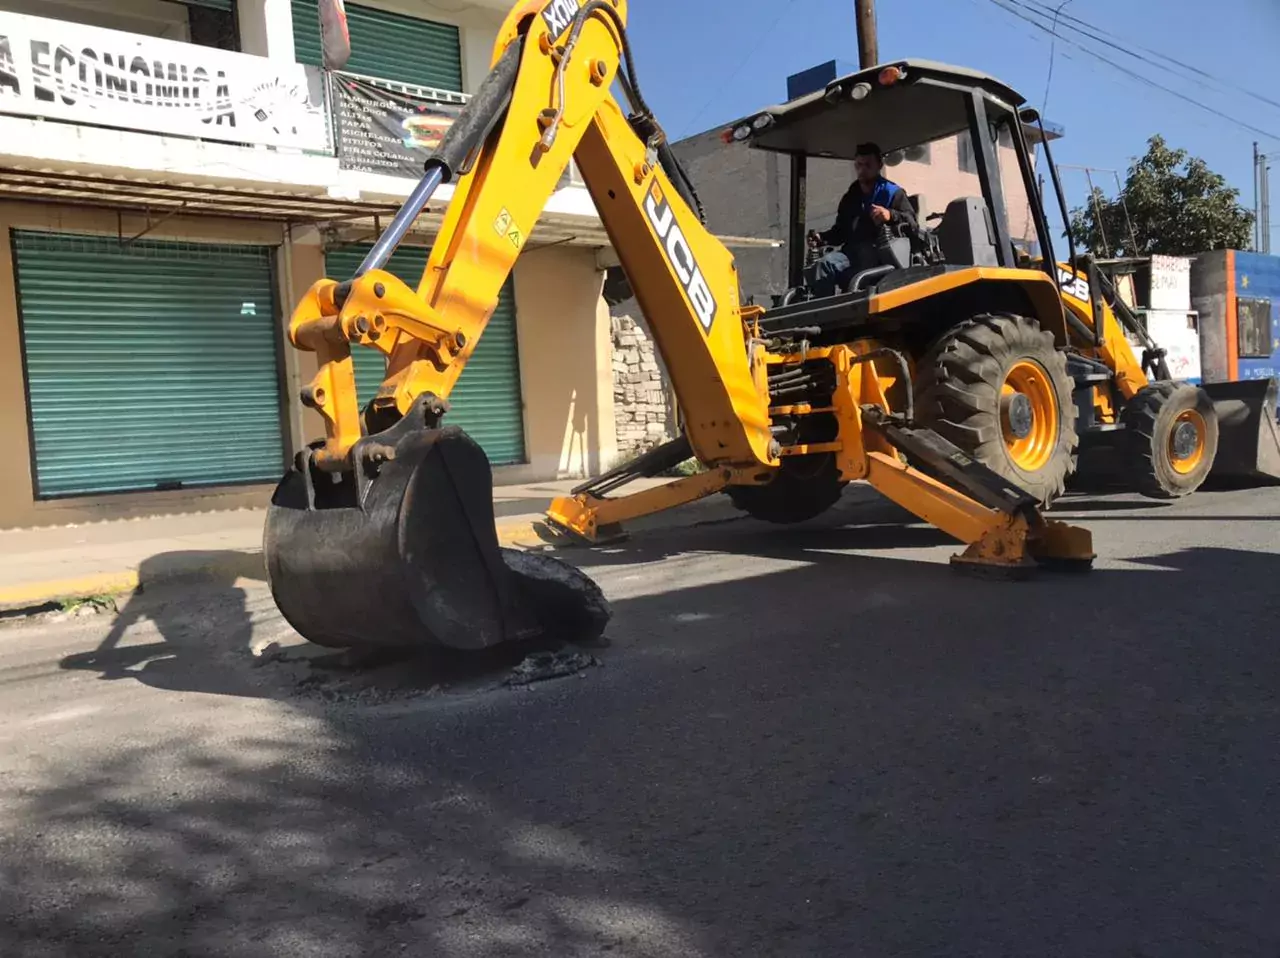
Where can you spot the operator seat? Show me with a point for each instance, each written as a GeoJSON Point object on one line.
{"type": "Point", "coordinates": [966, 233]}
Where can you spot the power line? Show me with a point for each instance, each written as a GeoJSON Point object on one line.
{"type": "Point", "coordinates": [1037, 10]}
{"type": "Point", "coordinates": [1005, 5]}
{"type": "Point", "coordinates": [767, 35]}
{"type": "Point", "coordinates": [1127, 47]}
{"type": "Point", "coordinates": [1053, 51]}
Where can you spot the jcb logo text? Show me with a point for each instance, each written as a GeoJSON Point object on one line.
{"type": "Point", "coordinates": [680, 255]}
{"type": "Point", "coordinates": [558, 14]}
{"type": "Point", "coordinates": [1073, 285]}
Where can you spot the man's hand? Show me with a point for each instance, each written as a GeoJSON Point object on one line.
{"type": "Point", "coordinates": [880, 214]}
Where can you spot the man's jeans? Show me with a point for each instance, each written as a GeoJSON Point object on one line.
{"type": "Point", "coordinates": [833, 273]}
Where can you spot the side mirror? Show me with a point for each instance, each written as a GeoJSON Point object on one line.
{"type": "Point", "coordinates": [1029, 116]}
{"type": "Point", "coordinates": [335, 41]}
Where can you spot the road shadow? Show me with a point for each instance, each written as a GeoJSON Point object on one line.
{"type": "Point", "coordinates": [220, 634]}
{"type": "Point", "coordinates": [1087, 503]}
{"type": "Point", "coordinates": [204, 651]}
{"type": "Point", "coordinates": [846, 756]}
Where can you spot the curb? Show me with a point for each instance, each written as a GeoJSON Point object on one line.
{"type": "Point", "coordinates": [529, 531]}
{"type": "Point", "coordinates": [530, 534]}
{"type": "Point", "coordinates": [226, 565]}
{"type": "Point", "coordinates": [34, 595]}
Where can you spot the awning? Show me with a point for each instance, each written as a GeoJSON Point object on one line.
{"type": "Point", "coordinates": [45, 186]}
{"type": "Point", "coordinates": [354, 219]}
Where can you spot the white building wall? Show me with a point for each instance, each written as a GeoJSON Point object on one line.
{"type": "Point", "coordinates": [267, 31]}
{"type": "Point", "coordinates": [266, 28]}
{"type": "Point", "coordinates": [150, 18]}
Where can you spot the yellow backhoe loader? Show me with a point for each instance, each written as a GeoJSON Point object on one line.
{"type": "Point", "coordinates": [1142, 431]}
{"type": "Point", "coordinates": [383, 534]}
{"type": "Point", "coordinates": [1028, 365]}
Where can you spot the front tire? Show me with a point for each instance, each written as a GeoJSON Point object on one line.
{"type": "Point", "coordinates": [997, 387]}
{"type": "Point", "coordinates": [803, 489]}
{"type": "Point", "coordinates": [1170, 440]}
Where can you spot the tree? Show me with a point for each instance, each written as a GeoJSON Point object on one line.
{"type": "Point", "coordinates": [1177, 207]}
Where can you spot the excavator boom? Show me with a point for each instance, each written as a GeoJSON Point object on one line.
{"type": "Point", "coordinates": [383, 532]}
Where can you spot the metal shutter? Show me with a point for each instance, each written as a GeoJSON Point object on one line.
{"type": "Point", "coordinates": [148, 366]}
{"type": "Point", "coordinates": [486, 400]}
{"type": "Point", "coordinates": [386, 45]}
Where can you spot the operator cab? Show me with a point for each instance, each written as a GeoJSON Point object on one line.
{"type": "Point", "coordinates": [905, 107]}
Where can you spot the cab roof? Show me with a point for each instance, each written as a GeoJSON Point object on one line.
{"type": "Point", "coordinates": [928, 102]}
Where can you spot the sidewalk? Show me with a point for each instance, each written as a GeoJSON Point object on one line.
{"type": "Point", "coordinates": [38, 566]}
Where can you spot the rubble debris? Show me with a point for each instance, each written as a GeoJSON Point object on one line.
{"type": "Point", "coordinates": [541, 666]}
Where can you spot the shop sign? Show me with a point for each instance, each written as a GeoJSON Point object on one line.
{"type": "Point", "coordinates": [81, 74]}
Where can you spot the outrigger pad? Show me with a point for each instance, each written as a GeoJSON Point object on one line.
{"type": "Point", "coordinates": [405, 555]}
{"type": "Point", "coordinates": [1248, 437]}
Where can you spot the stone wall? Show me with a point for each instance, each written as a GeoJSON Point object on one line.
{"type": "Point", "coordinates": [641, 401]}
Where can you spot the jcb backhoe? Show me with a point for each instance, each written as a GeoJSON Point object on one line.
{"type": "Point", "coordinates": [1025, 364]}
{"type": "Point", "coordinates": [382, 534]}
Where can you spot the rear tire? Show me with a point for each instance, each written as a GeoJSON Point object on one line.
{"type": "Point", "coordinates": [804, 488]}
{"type": "Point", "coordinates": [1169, 441]}
{"type": "Point", "coordinates": [997, 387]}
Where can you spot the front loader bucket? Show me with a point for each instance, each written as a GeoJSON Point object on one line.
{"type": "Point", "coordinates": [1248, 437]}
{"type": "Point", "coordinates": [409, 556]}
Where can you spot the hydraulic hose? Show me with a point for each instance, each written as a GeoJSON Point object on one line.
{"type": "Point", "coordinates": [631, 86]}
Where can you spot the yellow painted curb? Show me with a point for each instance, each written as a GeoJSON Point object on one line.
{"type": "Point", "coordinates": [40, 593]}
{"type": "Point", "coordinates": [525, 533]}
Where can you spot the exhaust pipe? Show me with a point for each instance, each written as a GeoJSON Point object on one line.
{"type": "Point", "coordinates": [1249, 438]}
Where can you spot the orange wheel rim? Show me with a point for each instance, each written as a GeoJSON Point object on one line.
{"type": "Point", "coordinates": [1029, 415]}
{"type": "Point", "coordinates": [1187, 439]}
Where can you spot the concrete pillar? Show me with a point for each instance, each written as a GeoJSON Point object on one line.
{"type": "Point", "coordinates": [566, 366]}
{"type": "Point", "coordinates": [266, 28]}
{"type": "Point", "coordinates": [477, 57]}
{"type": "Point", "coordinates": [301, 265]}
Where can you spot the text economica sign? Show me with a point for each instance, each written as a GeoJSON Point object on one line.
{"type": "Point", "coordinates": [67, 71]}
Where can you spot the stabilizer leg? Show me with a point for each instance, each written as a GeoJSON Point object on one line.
{"type": "Point", "coordinates": [598, 519]}
{"type": "Point", "coordinates": [1006, 533]}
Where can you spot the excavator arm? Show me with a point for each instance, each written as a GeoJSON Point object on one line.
{"type": "Point", "coordinates": [546, 101]}
{"type": "Point", "coordinates": [383, 534]}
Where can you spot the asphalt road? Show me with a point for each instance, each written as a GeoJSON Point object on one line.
{"type": "Point", "coordinates": [816, 741]}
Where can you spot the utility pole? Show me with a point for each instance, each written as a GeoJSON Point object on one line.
{"type": "Point", "coordinates": [1257, 200]}
{"type": "Point", "coordinates": [1264, 172]}
{"type": "Point", "coordinates": [1262, 199]}
{"type": "Point", "coordinates": [868, 43]}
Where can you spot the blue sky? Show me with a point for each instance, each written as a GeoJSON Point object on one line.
{"type": "Point", "coordinates": [705, 62]}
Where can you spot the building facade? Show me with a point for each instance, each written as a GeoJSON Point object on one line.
{"type": "Point", "coordinates": [174, 174]}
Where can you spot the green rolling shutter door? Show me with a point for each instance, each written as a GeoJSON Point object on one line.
{"type": "Point", "coordinates": [151, 365]}
{"type": "Point", "coordinates": [386, 45]}
{"type": "Point", "coordinates": [486, 400]}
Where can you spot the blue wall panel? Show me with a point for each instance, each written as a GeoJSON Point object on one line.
{"type": "Point", "coordinates": [1258, 277]}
